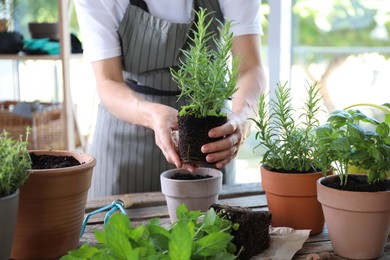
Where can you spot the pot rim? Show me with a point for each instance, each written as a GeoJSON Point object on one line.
{"type": "Point", "coordinates": [214, 173]}
{"type": "Point", "coordinates": [89, 163]}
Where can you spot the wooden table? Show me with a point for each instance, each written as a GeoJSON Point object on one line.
{"type": "Point", "coordinates": [140, 207]}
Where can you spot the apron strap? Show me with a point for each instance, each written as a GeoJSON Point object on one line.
{"type": "Point", "coordinates": [141, 4]}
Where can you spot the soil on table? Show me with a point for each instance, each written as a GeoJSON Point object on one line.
{"type": "Point", "coordinates": [358, 183]}
{"type": "Point", "coordinates": [193, 134]}
{"type": "Point", "coordinates": [253, 231]}
{"type": "Point", "coordinates": [186, 176]}
{"type": "Point", "coordinates": [45, 161]}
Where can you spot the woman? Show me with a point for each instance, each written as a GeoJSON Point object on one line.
{"type": "Point", "coordinates": [132, 45]}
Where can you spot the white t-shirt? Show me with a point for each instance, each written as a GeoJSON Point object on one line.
{"type": "Point", "coordinates": [99, 20]}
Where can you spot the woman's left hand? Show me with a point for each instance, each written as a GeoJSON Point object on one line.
{"type": "Point", "coordinates": [234, 132]}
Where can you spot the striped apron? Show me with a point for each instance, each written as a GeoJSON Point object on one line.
{"type": "Point", "coordinates": [128, 160]}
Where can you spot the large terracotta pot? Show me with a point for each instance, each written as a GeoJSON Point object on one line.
{"type": "Point", "coordinates": [195, 194]}
{"type": "Point", "coordinates": [358, 222]}
{"type": "Point", "coordinates": [292, 200]}
{"type": "Point", "coordinates": [51, 209]}
{"type": "Point", "coordinates": [8, 213]}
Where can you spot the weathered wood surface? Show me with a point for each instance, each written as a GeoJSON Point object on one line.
{"type": "Point", "coordinates": [148, 199]}
{"type": "Point", "coordinates": [140, 207]}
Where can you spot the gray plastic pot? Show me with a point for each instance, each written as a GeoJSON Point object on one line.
{"type": "Point", "coordinates": [198, 194]}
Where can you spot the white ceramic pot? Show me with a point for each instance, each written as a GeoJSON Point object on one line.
{"type": "Point", "coordinates": [198, 194]}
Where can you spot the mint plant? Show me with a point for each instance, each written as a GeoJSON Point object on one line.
{"type": "Point", "coordinates": [344, 141]}
{"type": "Point", "coordinates": [195, 235]}
{"type": "Point", "coordinates": [204, 76]}
{"type": "Point", "coordinates": [14, 163]}
{"type": "Point", "coordinates": [289, 144]}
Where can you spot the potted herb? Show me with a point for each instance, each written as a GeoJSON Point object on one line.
{"type": "Point", "coordinates": [52, 204]}
{"type": "Point", "coordinates": [356, 207]}
{"type": "Point", "coordinates": [289, 169]}
{"type": "Point", "coordinates": [14, 165]}
{"type": "Point", "coordinates": [206, 82]}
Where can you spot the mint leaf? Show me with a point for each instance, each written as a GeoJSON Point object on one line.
{"type": "Point", "coordinates": [213, 243]}
{"type": "Point", "coordinates": [116, 237]}
{"type": "Point", "coordinates": [210, 217]}
{"type": "Point", "coordinates": [180, 245]}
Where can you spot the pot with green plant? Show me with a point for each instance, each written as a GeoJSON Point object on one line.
{"type": "Point", "coordinates": [206, 81]}
{"type": "Point", "coordinates": [14, 165]}
{"type": "Point", "coordinates": [52, 204]}
{"type": "Point", "coordinates": [356, 207]}
{"type": "Point", "coordinates": [289, 169]}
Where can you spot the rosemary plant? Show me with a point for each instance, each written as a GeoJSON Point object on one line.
{"type": "Point", "coordinates": [204, 76]}
{"type": "Point", "coordinates": [14, 163]}
{"type": "Point", "coordinates": [289, 143]}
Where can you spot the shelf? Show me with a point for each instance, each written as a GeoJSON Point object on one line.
{"type": "Point", "coordinates": [36, 57]}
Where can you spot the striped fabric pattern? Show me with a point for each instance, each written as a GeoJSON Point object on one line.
{"type": "Point", "coordinates": [128, 160]}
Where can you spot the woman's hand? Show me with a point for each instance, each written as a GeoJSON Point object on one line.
{"type": "Point", "coordinates": [164, 124]}
{"type": "Point", "coordinates": [234, 132]}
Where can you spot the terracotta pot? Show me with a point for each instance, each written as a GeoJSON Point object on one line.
{"type": "Point", "coordinates": [292, 200]}
{"type": "Point", "coordinates": [51, 209]}
{"type": "Point", "coordinates": [358, 222]}
{"type": "Point", "coordinates": [8, 213]}
{"type": "Point", "coordinates": [197, 194]}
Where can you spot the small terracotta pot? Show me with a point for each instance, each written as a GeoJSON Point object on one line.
{"type": "Point", "coordinates": [8, 213]}
{"type": "Point", "coordinates": [51, 209]}
{"type": "Point", "coordinates": [292, 200]}
{"type": "Point", "coordinates": [358, 222]}
{"type": "Point", "coordinates": [197, 194]}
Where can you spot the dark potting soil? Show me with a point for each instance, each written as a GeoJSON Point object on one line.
{"type": "Point", "coordinates": [45, 161]}
{"type": "Point", "coordinates": [186, 176]}
{"type": "Point", "coordinates": [193, 134]}
{"type": "Point", "coordinates": [358, 183]}
{"type": "Point", "coordinates": [253, 230]}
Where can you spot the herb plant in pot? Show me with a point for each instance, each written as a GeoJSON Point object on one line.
{"type": "Point", "coordinates": [206, 82]}
{"type": "Point", "coordinates": [52, 204]}
{"type": "Point", "coordinates": [356, 206]}
{"type": "Point", "coordinates": [289, 169]}
{"type": "Point", "coordinates": [14, 165]}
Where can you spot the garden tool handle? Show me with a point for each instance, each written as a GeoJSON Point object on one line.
{"type": "Point", "coordinates": [127, 201]}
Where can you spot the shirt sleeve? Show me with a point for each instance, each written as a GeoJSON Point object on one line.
{"type": "Point", "coordinates": [244, 14]}
{"type": "Point", "coordinates": [99, 21]}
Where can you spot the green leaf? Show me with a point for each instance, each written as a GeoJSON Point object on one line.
{"type": "Point", "coordinates": [341, 144]}
{"type": "Point", "coordinates": [84, 252]}
{"type": "Point", "coordinates": [116, 229]}
{"type": "Point", "coordinates": [210, 217]}
{"type": "Point", "coordinates": [213, 243]}
{"type": "Point", "coordinates": [383, 130]}
{"type": "Point", "coordinates": [180, 245]}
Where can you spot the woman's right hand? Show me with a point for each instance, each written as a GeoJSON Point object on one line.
{"type": "Point", "coordinates": [163, 122]}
